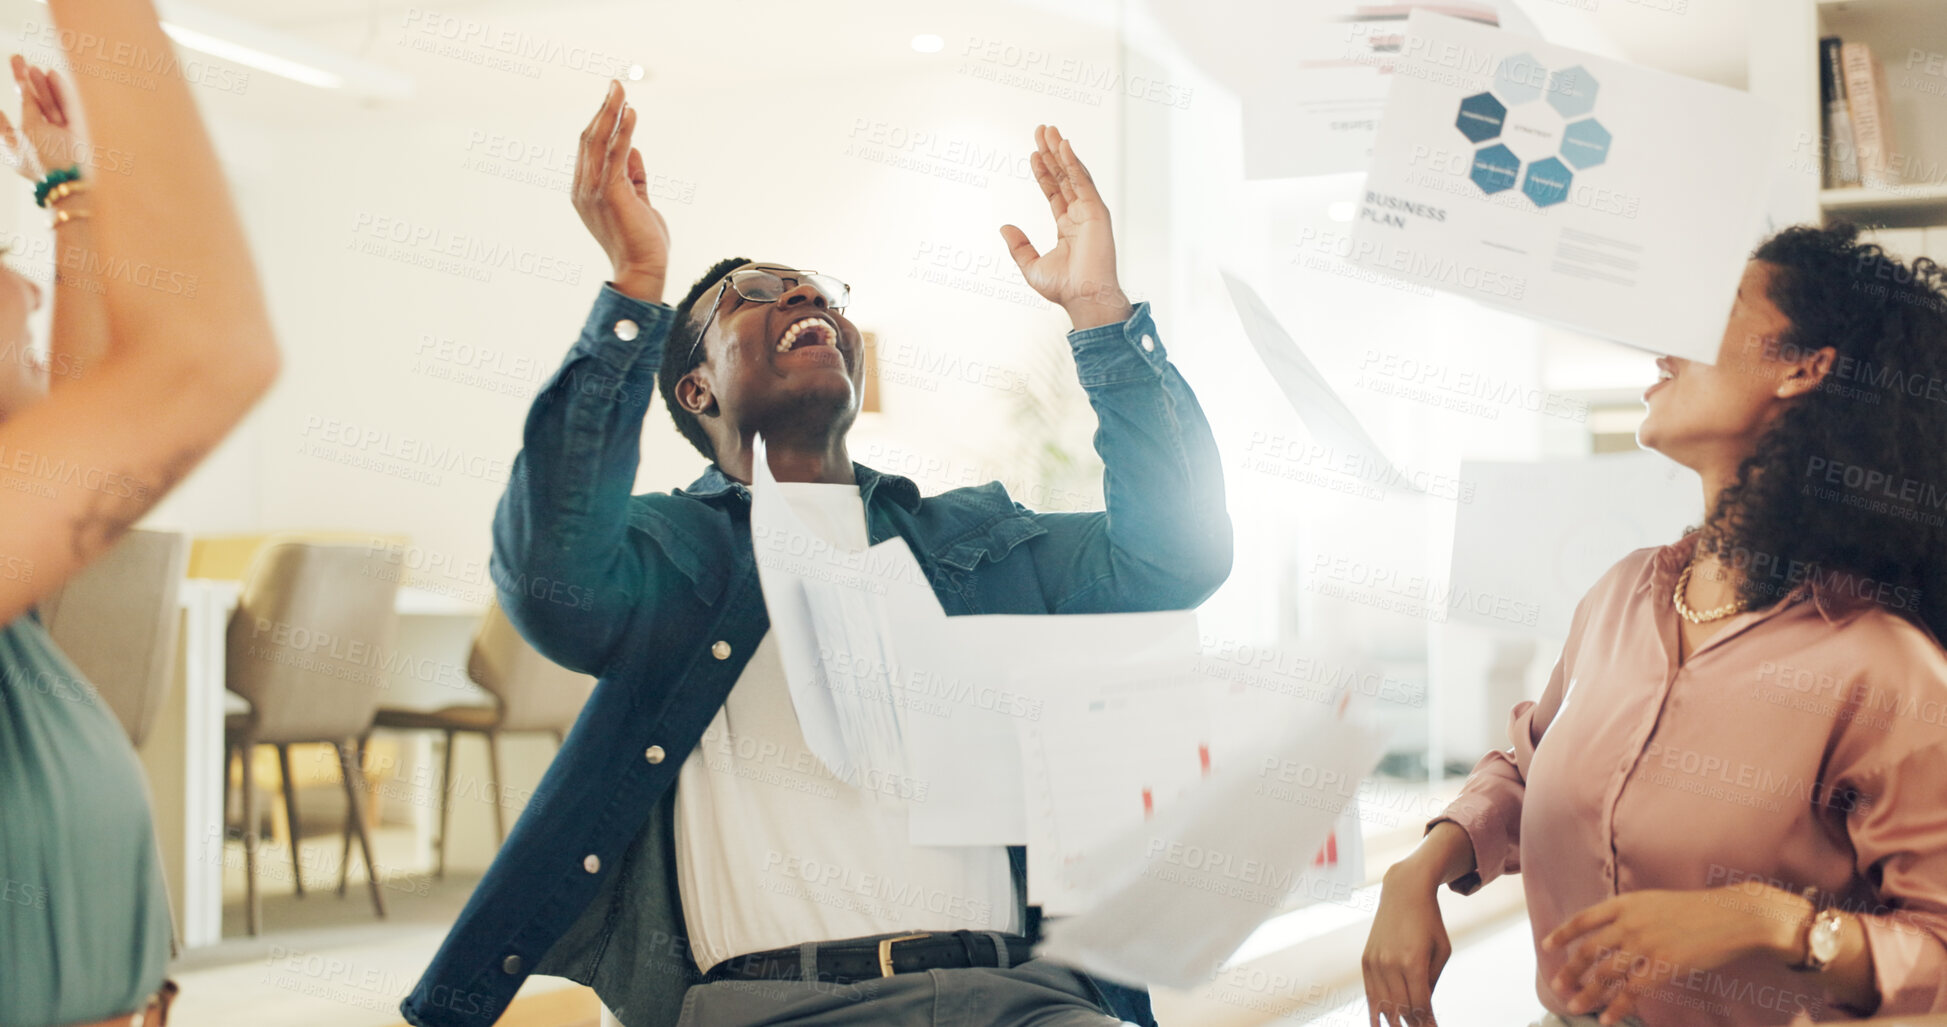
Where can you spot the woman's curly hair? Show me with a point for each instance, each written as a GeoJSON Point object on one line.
{"type": "Point", "coordinates": [1849, 487]}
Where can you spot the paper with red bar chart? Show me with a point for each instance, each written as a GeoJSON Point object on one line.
{"type": "Point", "coordinates": [1614, 200]}
{"type": "Point", "coordinates": [970, 686]}
{"type": "Point", "coordinates": [1168, 902]}
{"type": "Point", "coordinates": [1100, 762]}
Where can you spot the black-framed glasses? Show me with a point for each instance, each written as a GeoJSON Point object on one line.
{"type": "Point", "coordinates": [768, 285]}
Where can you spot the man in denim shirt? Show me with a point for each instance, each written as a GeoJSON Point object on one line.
{"type": "Point", "coordinates": [685, 855]}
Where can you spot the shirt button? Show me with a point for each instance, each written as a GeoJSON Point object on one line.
{"type": "Point", "coordinates": [512, 965]}
{"type": "Point", "coordinates": [592, 863]}
{"type": "Point", "coordinates": [653, 754]}
{"type": "Point", "coordinates": [721, 650]}
{"type": "Point", "coordinates": [1149, 343]}
{"type": "Point", "coordinates": [626, 330]}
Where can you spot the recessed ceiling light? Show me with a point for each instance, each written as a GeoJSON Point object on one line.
{"type": "Point", "coordinates": [926, 42]}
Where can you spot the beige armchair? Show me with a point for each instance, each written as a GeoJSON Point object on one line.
{"type": "Point", "coordinates": [307, 647]}
{"type": "Point", "coordinates": [531, 693]}
{"type": "Point", "coordinates": [117, 620]}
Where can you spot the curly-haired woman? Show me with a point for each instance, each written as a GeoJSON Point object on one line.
{"type": "Point", "coordinates": [1730, 804]}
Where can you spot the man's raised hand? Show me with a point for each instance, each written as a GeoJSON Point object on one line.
{"type": "Point", "coordinates": [611, 193]}
{"type": "Point", "coordinates": [1079, 272]}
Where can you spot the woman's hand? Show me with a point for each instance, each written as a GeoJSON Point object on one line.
{"type": "Point", "coordinates": [611, 193]}
{"type": "Point", "coordinates": [1407, 948]}
{"type": "Point", "coordinates": [1079, 273]}
{"type": "Point", "coordinates": [44, 121]}
{"type": "Point", "coordinates": [1624, 946]}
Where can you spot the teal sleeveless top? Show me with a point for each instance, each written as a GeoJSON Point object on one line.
{"type": "Point", "coordinates": [84, 918]}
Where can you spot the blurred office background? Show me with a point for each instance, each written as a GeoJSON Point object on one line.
{"type": "Point", "coordinates": [404, 172]}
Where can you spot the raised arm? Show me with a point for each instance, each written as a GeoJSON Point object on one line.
{"type": "Point", "coordinates": [1165, 540]}
{"type": "Point", "coordinates": [565, 573]}
{"type": "Point", "coordinates": [50, 140]}
{"type": "Point", "coordinates": [179, 368]}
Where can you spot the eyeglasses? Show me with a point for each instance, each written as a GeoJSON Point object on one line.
{"type": "Point", "coordinates": [768, 285]}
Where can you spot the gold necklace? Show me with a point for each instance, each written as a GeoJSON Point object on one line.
{"type": "Point", "coordinates": [1683, 609]}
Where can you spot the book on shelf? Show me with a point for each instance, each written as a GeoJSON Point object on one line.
{"type": "Point", "coordinates": [1872, 128]}
{"type": "Point", "coordinates": [1841, 163]}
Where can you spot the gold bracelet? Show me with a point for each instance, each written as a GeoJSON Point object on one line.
{"type": "Point", "coordinates": [65, 190]}
{"type": "Point", "coordinates": [62, 217]}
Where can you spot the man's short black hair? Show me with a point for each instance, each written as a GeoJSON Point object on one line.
{"type": "Point", "coordinates": [681, 354]}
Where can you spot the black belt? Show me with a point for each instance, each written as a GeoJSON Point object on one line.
{"type": "Point", "coordinates": [863, 959]}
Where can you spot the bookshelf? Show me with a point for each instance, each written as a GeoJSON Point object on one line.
{"type": "Point", "coordinates": [1902, 203]}
{"type": "Point", "coordinates": [1909, 38]}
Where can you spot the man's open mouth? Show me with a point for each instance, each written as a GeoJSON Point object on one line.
{"type": "Point", "coordinates": [808, 331]}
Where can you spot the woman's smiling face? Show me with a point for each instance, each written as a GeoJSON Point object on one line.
{"type": "Point", "coordinates": [1701, 414]}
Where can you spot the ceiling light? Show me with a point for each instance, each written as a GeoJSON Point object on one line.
{"type": "Point", "coordinates": [237, 53]}
{"type": "Point", "coordinates": [927, 42]}
{"type": "Point", "coordinates": [286, 56]}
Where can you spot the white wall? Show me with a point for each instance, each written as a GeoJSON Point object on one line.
{"type": "Point", "coordinates": [374, 345]}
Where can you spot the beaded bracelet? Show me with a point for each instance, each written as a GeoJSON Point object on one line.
{"type": "Point", "coordinates": [63, 191]}
{"type": "Point", "coordinates": [71, 173]}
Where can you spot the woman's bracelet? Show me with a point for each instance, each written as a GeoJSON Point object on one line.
{"type": "Point", "coordinates": [62, 217]}
{"type": "Point", "coordinates": [54, 180]}
{"type": "Point", "coordinates": [65, 190]}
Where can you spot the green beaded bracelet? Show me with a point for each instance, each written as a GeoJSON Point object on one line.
{"type": "Point", "coordinates": [71, 173]}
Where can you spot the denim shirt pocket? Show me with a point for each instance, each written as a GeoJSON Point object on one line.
{"type": "Point", "coordinates": [991, 540]}
{"type": "Point", "coordinates": [960, 580]}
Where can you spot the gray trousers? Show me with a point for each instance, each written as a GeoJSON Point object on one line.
{"type": "Point", "coordinates": [1034, 994]}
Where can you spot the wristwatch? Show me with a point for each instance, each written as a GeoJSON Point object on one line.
{"type": "Point", "coordinates": [1821, 936]}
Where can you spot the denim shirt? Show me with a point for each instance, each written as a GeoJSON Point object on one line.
{"type": "Point", "coordinates": [657, 595]}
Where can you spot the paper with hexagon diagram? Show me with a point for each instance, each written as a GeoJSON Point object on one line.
{"type": "Point", "coordinates": [1610, 199]}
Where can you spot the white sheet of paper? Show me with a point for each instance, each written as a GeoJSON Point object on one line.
{"type": "Point", "coordinates": [1320, 111]}
{"type": "Point", "coordinates": [1099, 763]}
{"type": "Point", "coordinates": [1169, 902]}
{"type": "Point", "coordinates": [1239, 734]}
{"type": "Point", "coordinates": [828, 609]}
{"type": "Point", "coordinates": [1615, 200]}
{"type": "Point", "coordinates": [1539, 534]}
{"type": "Point", "coordinates": [1312, 74]}
{"type": "Point", "coordinates": [959, 726]}
{"type": "Point", "coordinates": [860, 666]}
{"type": "Point", "coordinates": [1325, 415]}
{"type": "Point", "coordinates": [974, 686]}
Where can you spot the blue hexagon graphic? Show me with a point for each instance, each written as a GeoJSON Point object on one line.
{"type": "Point", "coordinates": [1481, 117]}
{"type": "Point", "coordinates": [1585, 144]}
{"type": "Point", "coordinates": [1495, 169]}
{"type": "Point", "coordinates": [1519, 78]}
{"type": "Point", "coordinates": [1571, 91]}
{"type": "Point", "coordinates": [1547, 182]}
